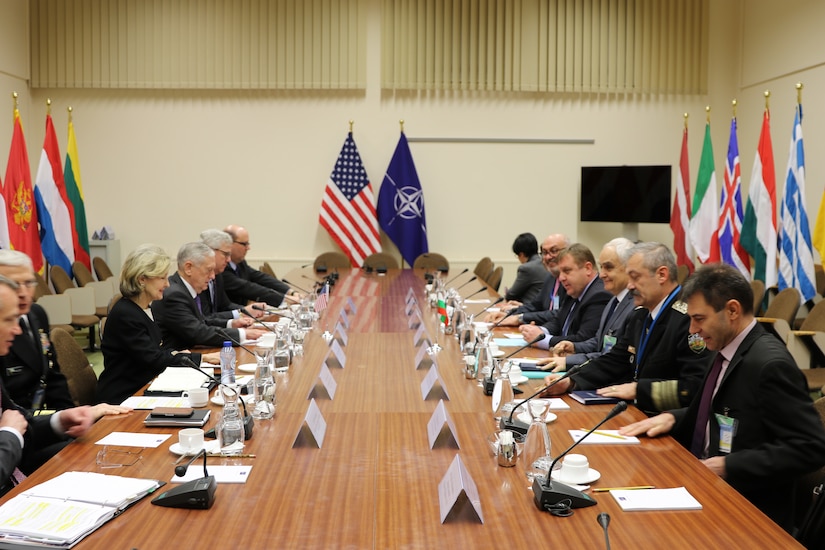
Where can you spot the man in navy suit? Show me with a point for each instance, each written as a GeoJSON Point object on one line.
{"type": "Point", "coordinates": [612, 271]}
{"type": "Point", "coordinates": [578, 318]}
{"type": "Point", "coordinates": [752, 423]}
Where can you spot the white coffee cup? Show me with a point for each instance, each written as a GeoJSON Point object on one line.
{"type": "Point", "coordinates": [198, 397]}
{"type": "Point", "coordinates": [574, 468]}
{"type": "Point", "coordinates": [191, 439]}
{"type": "Point", "coordinates": [494, 348]}
{"type": "Point", "coordinates": [515, 373]}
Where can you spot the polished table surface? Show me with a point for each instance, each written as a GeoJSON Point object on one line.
{"type": "Point", "coordinates": [374, 482]}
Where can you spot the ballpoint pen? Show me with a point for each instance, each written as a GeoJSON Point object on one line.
{"type": "Point", "coordinates": [637, 487]}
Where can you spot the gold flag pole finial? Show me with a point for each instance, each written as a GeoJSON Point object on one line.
{"type": "Point", "coordinates": [69, 109]}
{"type": "Point", "coordinates": [401, 122]}
{"type": "Point", "coordinates": [686, 119]}
{"type": "Point", "coordinates": [707, 114]}
{"type": "Point", "coordinates": [733, 104]}
{"type": "Point", "coordinates": [767, 99]}
{"type": "Point", "coordinates": [351, 122]}
{"type": "Point", "coordinates": [14, 97]}
{"type": "Point", "coordinates": [48, 107]}
{"type": "Point", "coordinates": [799, 87]}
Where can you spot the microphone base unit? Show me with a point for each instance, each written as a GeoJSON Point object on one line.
{"type": "Point", "coordinates": [194, 495]}
{"type": "Point", "coordinates": [548, 494]}
{"type": "Point", "coordinates": [514, 426]}
{"type": "Point", "coordinates": [489, 385]}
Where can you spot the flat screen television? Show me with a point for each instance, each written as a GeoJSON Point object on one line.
{"type": "Point", "coordinates": [627, 194]}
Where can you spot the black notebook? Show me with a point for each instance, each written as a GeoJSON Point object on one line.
{"type": "Point", "coordinates": [197, 420]}
{"type": "Point", "coordinates": [590, 397]}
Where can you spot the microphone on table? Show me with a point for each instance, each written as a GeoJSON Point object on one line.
{"type": "Point", "coordinates": [508, 314]}
{"type": "Point", "coordinates": [296, 287]}
{"type": "Point", "coordinates": [482, 289]}
{"type": "Point", "coordinates": [489, 382]}
{"type": "Point", "coordinates": [198, 494]}
{"type": "Point", "coordinates": [556, 497]}
{"type": "Point", "coordinates": [501, 299]}
{"type": "Point", "coordinates": [466, 269]}
{"type": "Point", "coordinates": [305, 265]}
{"type": "Point", "coordinates": [521, 427]}
{"type": "Point", "coordinates": [604, 521]}
{"type": "Point", "coordinates": [465, 283]}
{"type": "Point", "coordinates": [278, 312]}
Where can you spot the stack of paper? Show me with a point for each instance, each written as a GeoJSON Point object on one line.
{"type": "Point", "coordinates": [677, 498]}
{"type": "Point", "coordinates": [177, 380]}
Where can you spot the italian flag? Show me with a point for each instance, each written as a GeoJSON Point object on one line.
{"type": "Point", "coordinates": [705, 219]}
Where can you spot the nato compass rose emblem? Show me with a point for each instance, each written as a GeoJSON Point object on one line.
{"type": "Point", "coordinates": [408, 202]}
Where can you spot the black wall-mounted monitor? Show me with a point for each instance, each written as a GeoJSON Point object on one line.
{"type": "Point", "coordinates": [627, 194]}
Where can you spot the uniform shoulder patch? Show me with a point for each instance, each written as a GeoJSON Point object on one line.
{"type": "Point", "coordinates": [680, 306]}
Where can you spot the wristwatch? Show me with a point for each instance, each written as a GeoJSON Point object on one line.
{"type": "Point", "coordinates": [521, 318]}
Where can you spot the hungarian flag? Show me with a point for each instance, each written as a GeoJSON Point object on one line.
{"type": "Point", "coordinates": [74, 192]}
{"type": "Point", "coordinates": [705, 218]}
{"type": "Point", "coordinates": [759, 226]}
{"type": "Point", "coordinates": [19, 195]}
{"type": "Point", "coordinates": [680, 217]}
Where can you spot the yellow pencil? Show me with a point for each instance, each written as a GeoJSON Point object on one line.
{"type": "Point", "coordinates": [605, 489]}
{"type": "Point", "coordinates": [605, 434]}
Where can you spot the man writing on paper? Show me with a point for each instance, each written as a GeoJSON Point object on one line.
{"type": "Point", "coordinates": [752, 423]}
{"type": "Point", "coordinates": [657, 362]}
{"type": "Point", "coordinates": [578, 318]}
{"type": "Point", "coordinates": [26, 441]}
{"type": "Point", "coordinates": [549, 297]}
{"type": "Point", "coordinates": [612, 271]}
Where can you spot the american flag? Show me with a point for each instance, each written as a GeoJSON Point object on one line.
{"type": "Point", "coordinates": [348, 208]}
{"type": "Point", "coordinates": [322, 299]}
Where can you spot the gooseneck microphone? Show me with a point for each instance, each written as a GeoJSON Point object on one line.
{"type": "Point", "coordinates": [480, 290]}
{"type": "Point", "coordinates": [604, 521]}
{"type": "Point", "coordinates": [520, 427]}
{"type": "Point", "coordinates": [501, 299]}
{"type": "Point", "coordinates": [508, 314]}
{"type": "Point", "coordinates": [198, 494]}
{"type": "Point", "coordinates": [553, 496]}
{"type": "Point", "coordinates": [279, 312]}
{"type": "Point", "coordinates": [489, 383]}
{"type": "Point", "coordinates": [296, 287]}
{"type": "Point", "coordinates": [466, 269]}
{"type": "Point", "coordinates": [465, 283]}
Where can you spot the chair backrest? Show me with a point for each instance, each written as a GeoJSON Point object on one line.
{"type": "Point", "coordinates": [101, 268]}
{"type": "Point", "coordinates": [432, 261]}
{"type": "Point", "coordinates": [103, 292]}
{"type": "Point", "coordinates": [82, 274]}
{"type": "Point", "coordinates": [784, 306]}
{"type": "Point", "coordinates": [819, 273]}
{"type": "Point", "coordinates": [83, 300]}
{"type": "Point", "coordinates": [58, 307]}
{"type": "Point", "coordinates": [758, 288]}
{"type": "Point", "coordinates": [484, 268]}
{"type": "Point", "coordinates": [74, 365]}
{"type": "Point", "coordinates": [494, 282]}
{"type": "Point", "coordinates": [331, 260]}
{"type": "Point", "coordinates": [815, 319]}
{"type": "Point", "coordinates": [60, 279]}
{"type": "Point", "coordinates": [381, 260]}
{"type": "Point", "coordinates": [266, 268]}
{"type": "Point", "coordinates": [42, 288]}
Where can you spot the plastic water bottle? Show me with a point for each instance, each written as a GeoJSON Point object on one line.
{"type": "Point", "coordinates": [227, 364]}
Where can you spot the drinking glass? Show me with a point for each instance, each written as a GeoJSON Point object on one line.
{"type": "Point", "coordinates": [537, 457]}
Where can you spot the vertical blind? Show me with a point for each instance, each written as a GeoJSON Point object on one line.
{"type": "Point", "coordinates": [625, 46]}
{"type": "Point", "coordinates": [221, 44]}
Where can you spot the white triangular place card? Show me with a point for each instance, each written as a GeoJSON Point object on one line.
{"type": "Point", "coordinates": [351, 305]}
{"type": "Point", "coordinates": [327, 382]}
{"type": "Point", "coordinates": [429, 381]}
{"type": "Point", "coordinates": [344, 318]}
{"type": "Point", "coordinates": [341, 332]}
{"type": "Point", "coordinates": [458, 494]}
{"type": "Point", "coordinates": [338, 352]}
{"type": "Point", "coordinates": [313, 428]}
{"type": "Point", "coordinates": [435, 427]}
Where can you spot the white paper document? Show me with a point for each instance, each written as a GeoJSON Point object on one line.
{"type": "Point", "coordinates": [223, 474]}
{"type": "Point", "coordinates": [133, 439]}
{"type": "Point", "coordinates": [677, 498]}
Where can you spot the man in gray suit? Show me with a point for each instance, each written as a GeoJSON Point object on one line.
{"type": "Point", "coordinates": [612, 262]}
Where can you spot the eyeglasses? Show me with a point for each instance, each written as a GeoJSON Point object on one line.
{"type": "Point", "coordinates": [547, 252]}
{"type": "Point", "coordinates": [244, 244]}
{"type": "Point", "coordinates": [28, 284]}
{"type": "Point", "coordinates": [111, 457]}
{"type": "Point", "coordinates": [226, 254]}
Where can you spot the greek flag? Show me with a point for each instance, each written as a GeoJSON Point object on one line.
{"type": "Point", "coordinates": [796, 262]}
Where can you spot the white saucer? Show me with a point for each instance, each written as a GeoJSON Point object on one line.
{"type": "Point", "coordinates": [592, 475]}
{"type": "Point", "coordinates": [218, 401]}
{"type": "Point", "coordinates": [248, 367]}
{"type": "Point", "coordinates": [498, 353]}
{"type": "Point", "coordinates": [525, 417]}
{"type": "Point", "coordinates": [211, 447]}
{"type": "Point", "coordinates": [515, 381]}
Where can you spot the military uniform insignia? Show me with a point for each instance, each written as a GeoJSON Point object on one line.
{"type": "Point", "coordinates": [680, 306]}
{"type": "Point", "coordinates": [45, 343]}
{"type": "Point", "coordinates": [632, 351]}
{"type": "Point", "coordinates": [696, 343]}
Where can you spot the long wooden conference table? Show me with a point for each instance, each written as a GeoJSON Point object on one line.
{"type": "Point", "coordinates": [374, 481]}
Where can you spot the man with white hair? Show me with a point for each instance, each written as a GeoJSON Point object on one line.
{"type": "Point", "coordinates": [214, 301]}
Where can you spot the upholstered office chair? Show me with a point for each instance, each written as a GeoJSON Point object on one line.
{"type": "Point", "coordinates": [82, 274]}
{"type": "Point", "coordinates": [42, 287]}
{"type": "Point", "coordinates": [59, 309]}
{"type": "Point", "coordinates": [781, 312]}
{"type": "Point", "coordinates": [484, 268]}
{"type": "Point", "coordinates": [101, 269]}
{"type": "Point", "coordinates": [75, 367]}
{"type": "Point", "coordinates": [494, 282]}
{"type": "Point", "coordinates": [83, 311]}
{"type": "Point", "coordinates": [807, 345]}
{"type": "Point", "coordinates": [266, 268]}
{"type": "Point", "coordinates": [758, 288]}
{"type": "Point", "coordinates": [329, 261]}
{"type": "Point", "coordinates": [432, 261]}
{"type": "Point", "coordinates": [60, 279]}
{"type": "Point", "coordinates": [819, 273]}
{"type": "Point", "coordinates": [380, 260]}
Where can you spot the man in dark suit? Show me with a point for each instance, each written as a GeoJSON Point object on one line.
{"type": "Point", "coordinates": [180, 314]}
{"type": "Point", "coordinates": [752, 423]}
{"type": "Point", "coordinates": [244, 284]}
{"type": "Point", "coordinates": [657, 363]}
{"type": "Point", "coordinates": [530, 274]}
{"type": "Point", "coordinates": [25, 440]}
{"type": "Point", "coordinates": [551, 295]}
{"type": "Point", "coordinates": [613, 272]}
{"type": "Point", "coordinates": [578, 318]}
